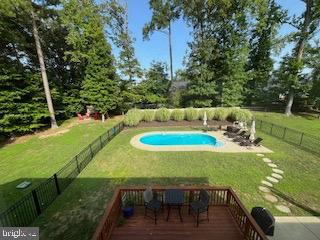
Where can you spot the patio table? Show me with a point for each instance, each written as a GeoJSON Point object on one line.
{"type": "Point", "coordinates": [174, 200]}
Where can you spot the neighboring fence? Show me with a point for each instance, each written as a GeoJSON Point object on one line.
{"type": "Point", "coordinates": [29, 207]}
{"type": "Point", "coordinates": [301, 139]}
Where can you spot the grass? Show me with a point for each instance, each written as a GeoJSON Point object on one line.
{"type": "Point", "coordinates": [301, 122]}
{"type": "Point", "coordinates": [75, 214]}
{"type": "Point", "coordinates": [37, 159]}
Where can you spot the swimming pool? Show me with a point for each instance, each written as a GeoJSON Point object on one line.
{"type": "Point", "coordinates": [172, 139]}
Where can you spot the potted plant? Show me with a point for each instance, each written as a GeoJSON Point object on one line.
{"type": "Point", "coordinates": [128, 208]}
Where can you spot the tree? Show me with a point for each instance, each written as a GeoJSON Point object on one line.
{"type": "Point", "coordinates": [128, 64]}
{"type": "Point", "coordinates": [260, 64]}
{"type": "Point", "coordinates": [155, 88]}
{"type": "Point", "coordinates": [313, 62]}
{"type": "Point", "coordinates": [22, 108]}
{"type": "Point", "coordinates": [219, 51]}
{"type": "Point", "coordinates": [43, 69]}
{"type": "Point", "coordinates": [164, 12]}
{"type": "Point", "coordinates": [306, 25]}
{"type": "Point", "coordinates": [100, 87]}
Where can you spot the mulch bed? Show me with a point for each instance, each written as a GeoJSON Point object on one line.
{"type": "Point", "coordinates": [197, 123]}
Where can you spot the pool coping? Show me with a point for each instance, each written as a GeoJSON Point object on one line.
{"type": "Point", "coordinates": [228, 146]}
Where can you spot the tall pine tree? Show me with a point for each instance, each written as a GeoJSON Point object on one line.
{"type": "Point", "coordinates": [100, 87]}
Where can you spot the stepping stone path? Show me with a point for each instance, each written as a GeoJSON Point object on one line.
{"type": "Point", "coordinates": [267, 160]}
{"type": "Point", "coordinates": [277, 170]}
{"type": "Point", "coordinates": [276, 175]}
{"type": "Point", "coordinates": [270, 198]}
{"type": "Point", "coordinates": [283, 208]}
{"type": "Point", "coordinates": [267, 183]}
{"type": "Point", "coordinates": [264, 189]}
{"type": "Point", "coordinates": [272, 179]}
{"type": "Point", "coordinates": [272, 165]}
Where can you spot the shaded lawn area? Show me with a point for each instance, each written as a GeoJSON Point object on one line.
{"type": "Point", "coordinates": [76, 213]}
{"type": "Point", "coordinates": [302, 122]}
{"type": "Point", "coordinates": [37, 159]}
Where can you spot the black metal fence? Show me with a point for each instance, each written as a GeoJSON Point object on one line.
{"type": "Point", "coordinates": [306, 141]}
{"type": "Point", "coordinates": [29, 207]}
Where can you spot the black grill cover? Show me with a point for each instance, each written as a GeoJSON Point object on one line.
{"type": "Point", "coordinates": [264, 219]}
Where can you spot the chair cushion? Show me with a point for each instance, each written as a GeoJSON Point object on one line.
{"type": "Point", "coordinates": [147, 195]}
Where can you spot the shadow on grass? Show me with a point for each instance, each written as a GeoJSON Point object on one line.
{"type": "Point", "coordinates": [295, 202]}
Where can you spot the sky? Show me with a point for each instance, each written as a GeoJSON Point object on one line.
{"type": "Point", "coordinates": [156, 49]}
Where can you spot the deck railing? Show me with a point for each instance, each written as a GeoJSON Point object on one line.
{"type": "Point", "coordinates": [219, 196]}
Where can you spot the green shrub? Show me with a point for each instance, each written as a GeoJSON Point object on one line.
{"type": "Point", "coordinates": [242, 115]}
{"type": "Point", "coordinates": [162, 115]}
{"type": "Point", "coordinates": [209, 111]}
{"type": "Point", "coordinates": [191, 114]}
{"type": "Point", "coordinates": [177, 114]}
{"type": "Point", "coordinates": [221, 114]}
{"type": "Point", "coordinates": [148, 115]}
{"type": "Point", "coordinates": [133, 117]}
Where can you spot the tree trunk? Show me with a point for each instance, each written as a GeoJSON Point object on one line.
{"type": "Point", "coordinates": [170, 52]}
{"type": "Point", "coordinates": [103, 117]}
{"type": "Point", "coordinates": [304, 33]}
{"type": "Point", "coordinates": [43, 71]}
{"type": "Point", "coordinates": [289, 103]}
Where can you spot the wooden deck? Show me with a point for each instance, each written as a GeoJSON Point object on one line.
{"type": "Point", "coordinates": [228, 217]}
{"type": "Point", "coordinates": [221, 225]}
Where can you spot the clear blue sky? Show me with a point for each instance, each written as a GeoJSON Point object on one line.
{"type": "Point", "coordinates": [157, 47]}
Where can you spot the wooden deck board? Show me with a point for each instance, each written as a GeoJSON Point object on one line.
{"type": "Point", "coordinates": [220, 226]}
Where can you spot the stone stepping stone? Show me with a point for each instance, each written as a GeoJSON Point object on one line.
{"type": "Point", "coordinates": [264, 189]}
{"type": "Point", "coordinates": [267, 160]}
{"type": "Point", "coordinates": [276, 175]}
{"type": "Point", "coordinates": [260, 155]}
{"type": "Point", "coordinates": [270, 198]}
{"type": "Point", "coordinates": [272, 165]}
{"type": "Point", "coordinates": [267, 183]}
{"type": "Point", "coordinates": [283, 208]}
{"type": "Point", "coordinates": [272, 179]}
{"type": "Point", "coordinates": [277, 170]}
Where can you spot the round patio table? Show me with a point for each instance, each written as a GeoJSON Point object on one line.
{"type": "Point", "coordinates": [174, 200]}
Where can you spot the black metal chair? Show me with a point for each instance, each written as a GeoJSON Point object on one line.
{"type": "Point", "coordinates": [247, 143]}
{"type": "Point", "coordinates": [154, 205]}
{"type": "Point", "coordinates": [264, 219]}
{"type": "Point", "coordinates": [200, 206]}
{"type": "Point", "coordinates": [241, 135]}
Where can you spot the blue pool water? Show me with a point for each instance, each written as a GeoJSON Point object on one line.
{"type": "Point", "coordinates": [170, 139]}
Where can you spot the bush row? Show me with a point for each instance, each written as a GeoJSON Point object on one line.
{"type": "Point", "coordinates": [134, 116]}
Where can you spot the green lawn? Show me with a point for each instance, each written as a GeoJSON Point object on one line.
{"type": "Point", "coordinates": [304, 123]}
{"type": "Point", "coordinates": [37, 159]}
{"type": "Point", "coordinates": [75, 214]}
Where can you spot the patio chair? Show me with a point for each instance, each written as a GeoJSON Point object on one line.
{"type": "Point", "coordinates": [151, 204]}
{"type": "Point", "coordinates": [233, 134]}
{"type": "Point", "coordinates": [264, 219]}
{"type": "Point", "coordinates": [256, 142]}
{"type": "Point", "coordinates": [231, 129]}
{"type": "Point", "coordinates": [200, 206]}
{"type": "Point", "coordinates": [241, 135]}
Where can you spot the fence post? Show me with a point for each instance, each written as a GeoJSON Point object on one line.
{"type": "Point", "coordinates": [36, 201]}
{"type": "Point", "coordinates": [271, 129]}
{"type": "Point", "coordinates": [100, 142]}
{"type": "Point", "coordinates": [91, 150]}
{"type": "Point", "coordinates": [301, 139]}
{"type": "Point", "coordinates": [284, 133]}
{"type": "Point", "coordinates": [78, 167]}
{"type": "Point", "coordinates": [57, 183]}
